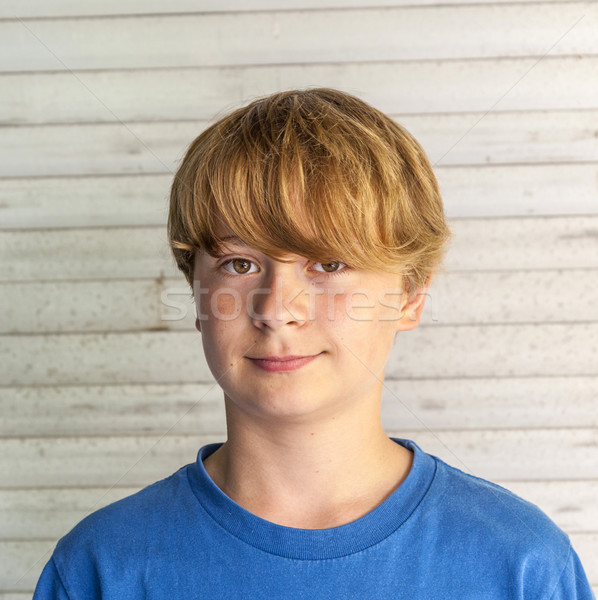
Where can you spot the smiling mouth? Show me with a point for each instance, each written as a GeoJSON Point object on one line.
{"type": "Point", "coordinates": [273, 364]}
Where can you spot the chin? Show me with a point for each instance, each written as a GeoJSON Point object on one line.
{"type": "Point", "coordinates": [280, 407]}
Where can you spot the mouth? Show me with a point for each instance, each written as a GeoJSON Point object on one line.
{"type": "Point", "coordinates": [273, 364]}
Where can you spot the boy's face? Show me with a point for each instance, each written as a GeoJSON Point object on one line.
{"type": "Point", "coordinates": [298, 340]}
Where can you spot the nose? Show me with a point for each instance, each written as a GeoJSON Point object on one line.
{"type": "Point", "coordinates": [282, 299]}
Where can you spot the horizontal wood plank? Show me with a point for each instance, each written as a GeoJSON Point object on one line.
{"type": "Point", "coordinates": [26, 560]}
{"type": "Point", "coordinates": [85, 306]}
{"type": "Point", "coordinates": [115, 253]}
{"type": "Point", "coordinates": [21, 565]}
{"type": "Point", "coordinates": [48, 514]}
{"type": "Point", "coordinates": [142, 252]}
{"type": "Point", "coordinates": [455, 140]}
{"type": "Point", "coordinates": [426, 353]}
{"type": "Point", "coordinates": [114, 410]}
{"type": "Point", "coordinates": [103, 358]}
{"type": "Point", "coordinates": [480, 297]}
{"type": "Point", "coordinates": [86, 201]}
{"type": "Point", "coordinates": [493, 351]}
{"type": "Point", "coordinates": [397, 88]}
{"type": "Point", "coordinates": [125, 461]}
{"type": "Point", "coordinates": [518, 190]}
{"type": "Point", "coordinates": [570, 504]}
{"type": "Point", "coordinates": [476, 297]}
{"type": "Point", "coordinates": [142, 200]}
{"type": "Point", "coordinates": [510, 455]}
{"type": "Point", "coordinates": [13, 9]}
{"type": "Point", "coordinates": [351, 35]}
{"type": "Point", "coordinates": [416, 405]}
{"type": "Point", "coordinates": [58, 150]}
{"type": "Point", "coordinates": [513, 244]}
{"type": "Point", "coordinates": [506, 138]}
{"type": "Point", "coordinates": [524, 403]}
{"type": "Point", "coordinates": [96, 306]}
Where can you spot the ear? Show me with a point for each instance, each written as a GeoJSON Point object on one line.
{"type": "Point", "coordinates": [413, 308]}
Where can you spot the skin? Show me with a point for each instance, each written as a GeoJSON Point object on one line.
{"type": "Point", "coordinates": [305, 447]}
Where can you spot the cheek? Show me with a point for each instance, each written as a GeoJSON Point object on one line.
{"type": "Point", "coordinates": [225, 305]}
{"type": "Point", "coordinates": [331, 309]}
{"type": "Point", "coordinates": [335, 316]}
{"type": "Point", "coordinates": [361, 316]}
{"type": "Point", "coordinates": [221, 305]}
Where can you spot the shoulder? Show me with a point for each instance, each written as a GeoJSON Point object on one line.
{"type": "Point", "coordinates": [110, 533]}
{"type": "Point", "coordinates": [149, 503]}
{"type": "Point", "coordinates": [481, 514]}
{"type": "Point", "coordinates": [492, 507]}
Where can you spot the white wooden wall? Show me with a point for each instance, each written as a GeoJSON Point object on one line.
{"type": "Point", "coordinates": [102, 393]}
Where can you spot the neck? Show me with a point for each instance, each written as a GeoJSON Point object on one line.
{"type": "Point", "coordinates": [310, 475]}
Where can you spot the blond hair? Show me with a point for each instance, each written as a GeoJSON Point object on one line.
{"type": "Point", "coordinates": [318, 173]}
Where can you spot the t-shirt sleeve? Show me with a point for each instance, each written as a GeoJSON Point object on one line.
{"type": "Point", "coordinates": [573, 583]}
{"type": "Point", "coordinates": [49, 585]}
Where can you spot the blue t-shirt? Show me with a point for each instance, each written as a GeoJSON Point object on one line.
{"type": "Point", "coordinates": [443, 534]}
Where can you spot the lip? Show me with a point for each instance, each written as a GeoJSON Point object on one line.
{"type": "Point", "coordinates": [273, 364]}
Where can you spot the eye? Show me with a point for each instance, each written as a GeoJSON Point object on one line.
{"type": "Point", "coordinates": [329, 267]}
{"type": "Point", "coordinates": [239, 266]}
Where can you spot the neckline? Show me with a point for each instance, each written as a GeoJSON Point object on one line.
{"type": "Point", "coordinates": [315, 544]}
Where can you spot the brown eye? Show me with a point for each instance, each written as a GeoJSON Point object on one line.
{"type": "Point", "coordinates": [238, 266]}
{"type": "Point", "coordinates": [331, 267]}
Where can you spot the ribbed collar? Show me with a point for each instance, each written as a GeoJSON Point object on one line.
{"type": "Point", "coordinates": [315, 544]}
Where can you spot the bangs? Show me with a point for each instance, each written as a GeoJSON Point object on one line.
{"type": "Point", "coordinates": [308, 173]}
{"type": "Point", "coordinates": [301, 197]}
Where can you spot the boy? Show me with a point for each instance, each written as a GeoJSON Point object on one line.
{"type": "Point", "coordinates": [309, 225]}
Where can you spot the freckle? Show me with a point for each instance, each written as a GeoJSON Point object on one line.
{"type": "Point", "coordinates": [317, 471]}
{"type": "Point", "coordinates": [226, 305]}
{"type": "Point", "coordinates": [230, 364]}
{"type": "Point", "coordinates": [311, 434]}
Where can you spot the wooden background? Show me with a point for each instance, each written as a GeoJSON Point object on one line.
{"type": "Point", "coordinates": [104, 387]}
